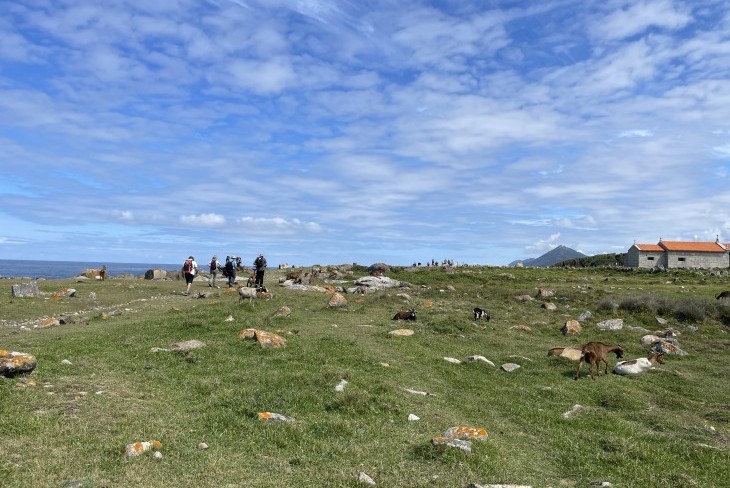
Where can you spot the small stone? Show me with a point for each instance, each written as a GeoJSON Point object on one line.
{"type": "Point", "coordinates": [283, 312]}
{"type": "Point", "coordinates": [157, 455]}
{"type": "Point", "coordinates": [576, 409]}
{"type": "Point", "coordinates": [549, 306]}
{"type": "Point", "coordinates": [417, 392]}
{"type": "Point", "coordinates": [510, 367]}
{"type": "Point", "coordinates": [67, 362]}
{"type": "Point", "coordinates": [413, 418]}
{"type": "Point", "coordinates": [401, 332]}
{"type": "Point", "coordinates": [185, 346]}
{"type": "Point", "coordinates": [363, 477]}
{"type": "Point", "coordinates": [202, 446]}
{"type": "Point", "coordinates": [481, 359]}
{"type": "Point", "coordinates": [585, 316]}
{"type": "Point", "coordinates": [341, 385]}
{"type": "Point", "coordinates": [136, 448]}
{"type": "Point", "coordinates": [521, 327]}
{"type": "Point", "coordinates": [230, 318]}
{"type": "Point", "coordinates": [159, 349]}
{"type": "Point", "coordinates": [269, 339]}
{"type": "Point", "coordinates": [453, 360]}
{"type": "Point", "coordinates": [661, 321]}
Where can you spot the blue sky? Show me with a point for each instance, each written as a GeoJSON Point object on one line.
{"type": "Point", "coordinates": [324, 131]}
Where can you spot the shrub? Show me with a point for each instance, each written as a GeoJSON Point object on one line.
{"type": "Point", "coordinates": [690, 310]}
{"type": "Point", "coordinates": [638, 304]}
{"type": "Point", "coordinates": [607, 305]}
{"type": "Point", "coordinates": [723, 314]}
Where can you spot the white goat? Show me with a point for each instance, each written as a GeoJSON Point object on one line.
{"type": "Point", "coordinates": [251, 293]}
{"type": "Point", "coordinates": [640, 365]}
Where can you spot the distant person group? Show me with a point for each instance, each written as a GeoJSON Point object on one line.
{"type": "Point", "coordinates": [228, 270]}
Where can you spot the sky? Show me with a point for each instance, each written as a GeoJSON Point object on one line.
{"type": "Point", "coordinates": [360, 131]}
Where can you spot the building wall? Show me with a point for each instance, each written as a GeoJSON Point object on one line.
{"type": "Point", "coordinates": [697, 260]}
{"type": "Point", "coordinates": [636, 258]}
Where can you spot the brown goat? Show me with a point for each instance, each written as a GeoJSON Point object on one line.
{"type": "Point", "coordinates": [593, 353]}
{"type": "Point", "coordinates": [409, 314]}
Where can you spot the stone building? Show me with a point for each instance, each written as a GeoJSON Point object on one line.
{"type": "Point", "coordinates": [679, 254]}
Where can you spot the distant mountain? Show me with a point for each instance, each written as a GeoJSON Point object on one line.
{"type": "Point", "coordinates": [560, 253]}
{"type": "Point", "coordinates": [599, 260]}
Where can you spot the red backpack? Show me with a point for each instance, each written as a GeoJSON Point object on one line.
{"type": "Point", "coordinates": [188, 266]}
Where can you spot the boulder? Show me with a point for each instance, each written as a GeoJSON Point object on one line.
{"type": "Point", "coordinates": [379, 283]}
{"type": "Point", "coordinates": [337, 300]}
{"type": "Point", "coordinates": [571, 327]}
{"type": "Point", "coordinates": [611, 324]}
{"type": "Point", "coordinates": [467, 433]}
{"type": "Point", "coordinates": [155, 274]}
{"type": "Point", "coordinates": [269, 339]}
{"type": "Point", "coordinates": [13, 363]}
{"type": "Point", "coordinates": [283, 312]}
{"type": "Point", "coordinates": [379, 267]}
{"type": "Point", "coordinates": [26, 290]}
{"type": "Point", "coordinates": [549, 306]}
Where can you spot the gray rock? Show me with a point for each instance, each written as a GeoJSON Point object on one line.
{"type": "Point", "coordinates": [585, 316]}
{"type": "Point", "coordinates": [26, 290]}
{"type": "Point", "coordinates": [661, 321]}
{"type": "Point", "coordinates": [451, 442]}
{"type": "Point", "coordinates": [549, 306]}
{"type": "Point", "coordinates": [510, 367]}
{"type": "Point", "coordinates": [364, 478]}
{"type": "Point", "coordinates": [186, 346]}
{"type": "Point", "coordinates": [155, 274]}
{"type": "Point", "coordinates": [611, 324]}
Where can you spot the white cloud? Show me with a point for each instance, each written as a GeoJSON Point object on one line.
{"type": "Point", "coordinates": [543, 245]}
{"type": "Point", "coordinates": [634, 17]}
{"type": "Point", "coordinates": [125, 215]}
{"type": "Point", "coordinates": [204, 220]}
{"type": "Point", "coordinates": [636, 133]}
{"type": "Point", "coordinates": [278, 224]}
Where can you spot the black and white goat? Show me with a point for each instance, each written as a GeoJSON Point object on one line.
{"type": "Point", "coordinates": [480, 313]}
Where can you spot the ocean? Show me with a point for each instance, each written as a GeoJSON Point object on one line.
{"type": "Point", "coordinates": [17, 268]}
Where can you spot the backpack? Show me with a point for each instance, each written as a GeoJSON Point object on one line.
{"type": "Point", "coordinates": [213, 265]}
{"type": "Point", "coordinates": [188, 266]}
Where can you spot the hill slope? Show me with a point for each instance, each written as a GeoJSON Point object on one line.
{"type": "Point", "coordinates": [560, 253]}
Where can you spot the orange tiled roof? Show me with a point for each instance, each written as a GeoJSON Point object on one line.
{"type": "Point", "coordinates": [650, 247]}
{"type": "Point", "coordinates": [692, 246]}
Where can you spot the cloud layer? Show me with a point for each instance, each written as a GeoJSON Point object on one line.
{"type": "Point", "coordinates": [333, 131]}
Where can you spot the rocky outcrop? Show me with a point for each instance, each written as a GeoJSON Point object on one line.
{"type": "Point", "coordinates": [155, 274]}
{"type": "Point", "coordinates": [26, 290]}
{"type": "Point", "coordinates": [368, 284]}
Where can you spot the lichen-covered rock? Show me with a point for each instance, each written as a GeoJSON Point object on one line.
{"type": "Point", "coordinates": [247, 334]}
{"type": "Point", "coordinates": [269, 339]}
{"type": "Point", "coordinates": [13, 363]}
{"type": "Point", "coordinates": [283, 312]}
{"type": "Point", "coordinates": [26, 290]}
{"type": "Point", "coordinates": [337, 300]}
{"type": "Point", "coordinates": [469, 433]}
{"type": "Point", "coordinates": [611, 324]}
{"type": "Point", "coordinates": [451, 442]}
{"type": "Point", "coordinates": [549, 306]}
{"type": "Point", "coordinates": [137, 448]}
{"type": "Point", "coordinates": [271, 417]}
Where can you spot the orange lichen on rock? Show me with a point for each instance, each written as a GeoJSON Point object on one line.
{"type": "Point", "coordinates": [463, 432]}
{"type": "Point", "coordinates": [12, 363]}
{"type": "Point", "coordinates": [427, 303]}
{"type": "Point", "coordinates": [247, 334]}
{"type": "Point", "coordinates": [137, 448]}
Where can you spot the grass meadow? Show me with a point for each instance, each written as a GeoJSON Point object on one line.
{"type": "Point", "coordinates": [666, 428]}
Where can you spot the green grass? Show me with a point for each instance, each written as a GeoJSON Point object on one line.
{"type": "Point", "coordinates": [647, 431]}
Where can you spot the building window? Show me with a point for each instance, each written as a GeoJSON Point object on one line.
{"type": "Point", "coordinates": [650, 258]}
{"type": "Point", "coordinates": [681, 259]}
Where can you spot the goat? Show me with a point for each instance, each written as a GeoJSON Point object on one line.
{"type": "Point", "coordinates": [102, 273]}
{"type": "Point", "coordinates": [251, 293]}
{"type": "Point", "coordinates": [593, 353]}
{"type": "Point", "coordinates": [639, 365]}
{"type": "Point", "coordinates": [251, 281]}
{"type": "Point", "coordinates": [723, 294]}
{"type": "Point", "coordinates": [409, 314]}
{"type": "Point", "coordinates": [480, 313]}
{"type": "Point", "coordinates": [294, 275]}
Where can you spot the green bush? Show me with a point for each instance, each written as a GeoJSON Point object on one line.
{"type": "Point", "coordinates": [690, 310]}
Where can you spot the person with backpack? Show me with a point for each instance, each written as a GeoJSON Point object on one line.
{"type": "Point", "coordinates": [260, 265]}
{"type": "Point", "coordinates": [214, 267]}
{"type": "Point", "coordinates": [229, 270]}
{"type": "Point", "coordinates": [190, 267]}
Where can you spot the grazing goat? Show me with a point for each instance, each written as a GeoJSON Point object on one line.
{"type": "Point", "coordinates": [640, 365]}
{"type": "Point", "coordinates": [102, 273]}
{"type": "Point", "coordinates": [409, 314]}
{"type": "Point", "coordinates": [480, 313]}
{"type": "Point", "coordinates": [593, 353]}
{"type": "Point", "coordinates": [251, 293]}
{"type": "Point", "coordinates": [723, 294]}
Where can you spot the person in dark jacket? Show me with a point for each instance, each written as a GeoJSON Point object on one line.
{"type": "Point", "coordinates": [230, 269]}
{"type": "Point", "coordinates": [260, 265]}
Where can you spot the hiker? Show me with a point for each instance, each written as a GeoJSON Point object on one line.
{"type": "Point", "coordinates": [229, 270]}
{"type": "Point", "coordinates": [214, 267]}
{"type": "Point", "coordinates": [190, 267]}
{"type": "Point", "coordinates": [260, 265]}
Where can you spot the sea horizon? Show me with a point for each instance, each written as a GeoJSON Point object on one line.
{"type": "Point", "coordinates": [40, 269]}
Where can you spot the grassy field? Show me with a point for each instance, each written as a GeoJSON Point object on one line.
{"type": "Point", "coordinates": [665, 428]}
